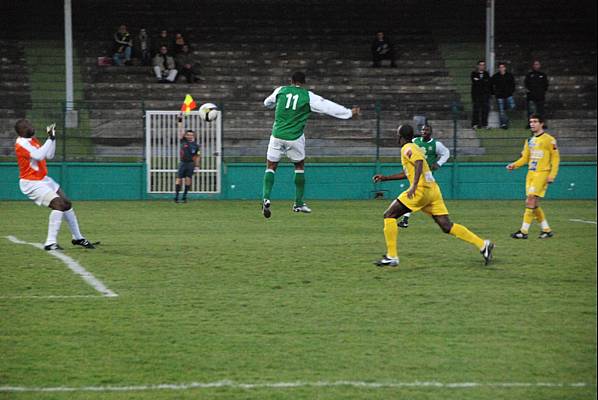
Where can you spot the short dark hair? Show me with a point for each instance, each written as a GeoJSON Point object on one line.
{"type": "Point", "coordinates": [406, 132]}
{"type": "Point", "coordinates": [190, 131]}
{"type": "Point", "coordinates": [481, 61]}
{"type": "Point", "coordinates": [427, 125]}
{"type": "Point", "coordinates": [502, 63]}
{"type": "Point", "coordinates": [298, 77]}
{"type": "Point", "coordinates": [536, 116]}
{"type": "Point", "coordinates": [20, 125]}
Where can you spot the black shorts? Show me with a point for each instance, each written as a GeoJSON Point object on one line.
{"type": "Point", "coordinates": [186, 169]}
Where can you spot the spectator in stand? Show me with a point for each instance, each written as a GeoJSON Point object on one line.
{"type": "Point", "coordinates": [503, 87]}
{"type": "Point", "coordinates": [480, 96]}
{"type": "Point", "coordinates": [164, 66]}
{"type": "Point", "coordinates": [382, 49]}
{"type": "Point", "coordinates": [179, 42]}
{"type": "Point", "coordinates": [123, 44]}
{"type": "Point", "coordinates": [186, 65]}
{"type": "Point", "coordinates": [164, 39]}
{"type": "Point", "coordinates": [536, 85]}
{"type": "Point", "coordinates": [143, 49]}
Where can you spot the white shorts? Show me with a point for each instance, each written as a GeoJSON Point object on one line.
{"type": "Point", "coordinates": [293, 149]}
{"type": "Point", "coordinates": [41, 192]}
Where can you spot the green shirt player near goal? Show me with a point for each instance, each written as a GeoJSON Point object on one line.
{"type": "Point", "coordinates": [294, 105]}
{"type": "Point", "coordinates": [436, 155]}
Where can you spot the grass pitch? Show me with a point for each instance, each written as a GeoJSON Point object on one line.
{"type": "Point", "coordinates": [212, 292]}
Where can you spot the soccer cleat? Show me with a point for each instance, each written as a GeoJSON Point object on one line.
{"type": "Point", "coordinates": [387, 261]}
{"type": "Point", "coordinates": [83, 243]}
{"type": "Point", "coordinates": [519, 235]}
{"type": "Point", "coordinates": [546, 235]}
{"type": "Point", "coordinates": [266, 208]}
{"type": "Point", "coordinates": [486, 252]}
{"type": "Point", "coordinates": [404, 223]}
{"type": "Point", "coordinates": [53, 246]}
{"type": "Point", "coordinates": [302, 208]}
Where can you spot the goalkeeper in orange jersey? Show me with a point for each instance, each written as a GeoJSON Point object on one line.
{"type": "Point", "coordinates": [423, 194]}
{"type": "Point", "coordinates": [542, 157]}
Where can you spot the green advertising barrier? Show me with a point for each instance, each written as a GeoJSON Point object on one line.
{"type": "Point", "coordinates": [127, 181]}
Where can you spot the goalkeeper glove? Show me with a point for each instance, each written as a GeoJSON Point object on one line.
{"type": "Point", "coordinates": [51, 131]}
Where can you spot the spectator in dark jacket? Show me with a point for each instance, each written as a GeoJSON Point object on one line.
{"type": "Point", "coordinates": [536, 85]}
{"type": "Point", "coordinates": [503, 87]}
{"type": "Point", "coordinates": [186, 65]}
{"type": "Point", "coordinates": [480, 96]}
{"type": "Point", "coordinates": [164, 40]}
{"type": "Point", "coordinates": [382, 49]}
{"type": "Point", "coordinates": [143, 47]}
{"type": "Point", "coordinates": [123, 44]}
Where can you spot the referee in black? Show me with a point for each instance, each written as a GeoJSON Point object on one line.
{"type": "Point", "coordinates": [189, 155]}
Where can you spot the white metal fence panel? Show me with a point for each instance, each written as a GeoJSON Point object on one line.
{"type": "Point", "coordinates": [162, 151]}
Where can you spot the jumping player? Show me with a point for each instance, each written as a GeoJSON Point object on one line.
{"type": "Point", "coordinates": [39, 187]}
{"type": "Point", "coordinates": [189, 154]}
{"type": "Point", "coordinates": [423, 194]}
{"type": "Point", "coordinates": [436, 155]}
{"type": "Point", "coordinates": [542, 157]}
{"type": "Point", "coordinates": [293, 105]}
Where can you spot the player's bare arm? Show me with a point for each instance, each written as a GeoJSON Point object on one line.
{"type": "Point", "coordinates": [419, 167]}
{"type": "Point", "coordinates": [394, 177]}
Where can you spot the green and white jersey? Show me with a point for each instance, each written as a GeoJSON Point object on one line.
{"type": "Point", "coordinates": [435, 151]}
{"type": "Point", "coordinates": [294, 105]}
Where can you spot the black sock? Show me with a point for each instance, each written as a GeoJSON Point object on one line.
{"type": "Point", "coordinates": [187, 187]}
{"type": "Point", "coordinates": [178, 189]}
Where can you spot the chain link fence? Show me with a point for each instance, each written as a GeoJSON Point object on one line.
{"type": "Point", "coordinates": [113, 131]}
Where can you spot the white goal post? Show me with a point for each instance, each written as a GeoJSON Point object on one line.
{"type": "Point", "coordinates": [162, 151]}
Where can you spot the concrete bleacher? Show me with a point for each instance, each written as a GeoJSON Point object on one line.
{"type": "Point", "coordinates": [244, 54]}
{"type": "Point", "coordinates": [247, 48]}
{"type": "Point", "coordinates": [14, 92]}
{"type": "Point", "coordinates": [564, 40]}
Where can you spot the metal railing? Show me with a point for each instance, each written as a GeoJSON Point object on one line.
{"type": "Point", "coordinates": [105, 131]}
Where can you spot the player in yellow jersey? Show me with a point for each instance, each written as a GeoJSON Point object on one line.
{"type": "Point", "coordinates": [541, 155]}
{"type": "Point", "coordinates": [423, 194]}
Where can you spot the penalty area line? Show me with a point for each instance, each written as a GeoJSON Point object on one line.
{"type": "Point", "coordinates": [583, 221]}
{"type": "Point", "coordinates": [296, 384]}
{"type": "Point", "coordinates": [73, 266]}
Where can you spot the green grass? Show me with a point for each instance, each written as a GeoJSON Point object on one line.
{"type": "Point", "coordinates": [211, 291]}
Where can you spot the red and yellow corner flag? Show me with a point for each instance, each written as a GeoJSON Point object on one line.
{"type": "Point", "coordinates": [188, 105]}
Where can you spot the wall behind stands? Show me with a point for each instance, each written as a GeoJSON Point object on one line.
{"type": "Point", "coordinates": [127, 181]}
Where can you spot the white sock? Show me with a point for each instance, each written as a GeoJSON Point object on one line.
{"type": "Point", "coordinates": [71, 219]}
{"type": "Point", "coordinates": [524, 227]}
{"type": "Point", "coordinates": [544, 225]}
{"type": "Point", "coordinates": [54, 223]}
{"type": "Point", "coordinates": [407, 215]}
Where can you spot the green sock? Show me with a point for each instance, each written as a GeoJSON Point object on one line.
{"type": "Point", "coordinates": [268, 183]}
{"type": "Point", "coordinates": [299, 187]}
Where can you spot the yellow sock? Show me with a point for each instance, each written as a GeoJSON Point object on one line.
{"type": "Point", "coordinates": [528, 218]}
{"type": "Point", "coordinates": [541, 218]}
{"type": "Point", "coordinates": [391, 232]}
{"type": "Point", "coordinates": [465, 234]}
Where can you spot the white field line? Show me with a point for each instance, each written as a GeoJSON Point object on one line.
{"type": "Point", "coordinates": [74, 296]}
{"type": "Point", "coordinates": [583, 221]}
{"type": "Point", "coordinates": [296, 384]}
{"type": "Point", "coordinates": [73, 266]}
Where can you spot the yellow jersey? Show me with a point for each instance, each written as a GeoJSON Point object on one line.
{"type": "Point", "coordinates": [410, 153]}
{"type": "Point", "coordinates": [541, 154]}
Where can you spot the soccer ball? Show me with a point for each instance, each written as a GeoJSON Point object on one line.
{"type": "Point", "coordinates": [208, 112]}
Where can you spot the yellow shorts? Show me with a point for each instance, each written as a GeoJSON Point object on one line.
{"type": "Point", "coordinates": [536, 183]}
{"type": "Point", "coordinates": [429, 200]}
